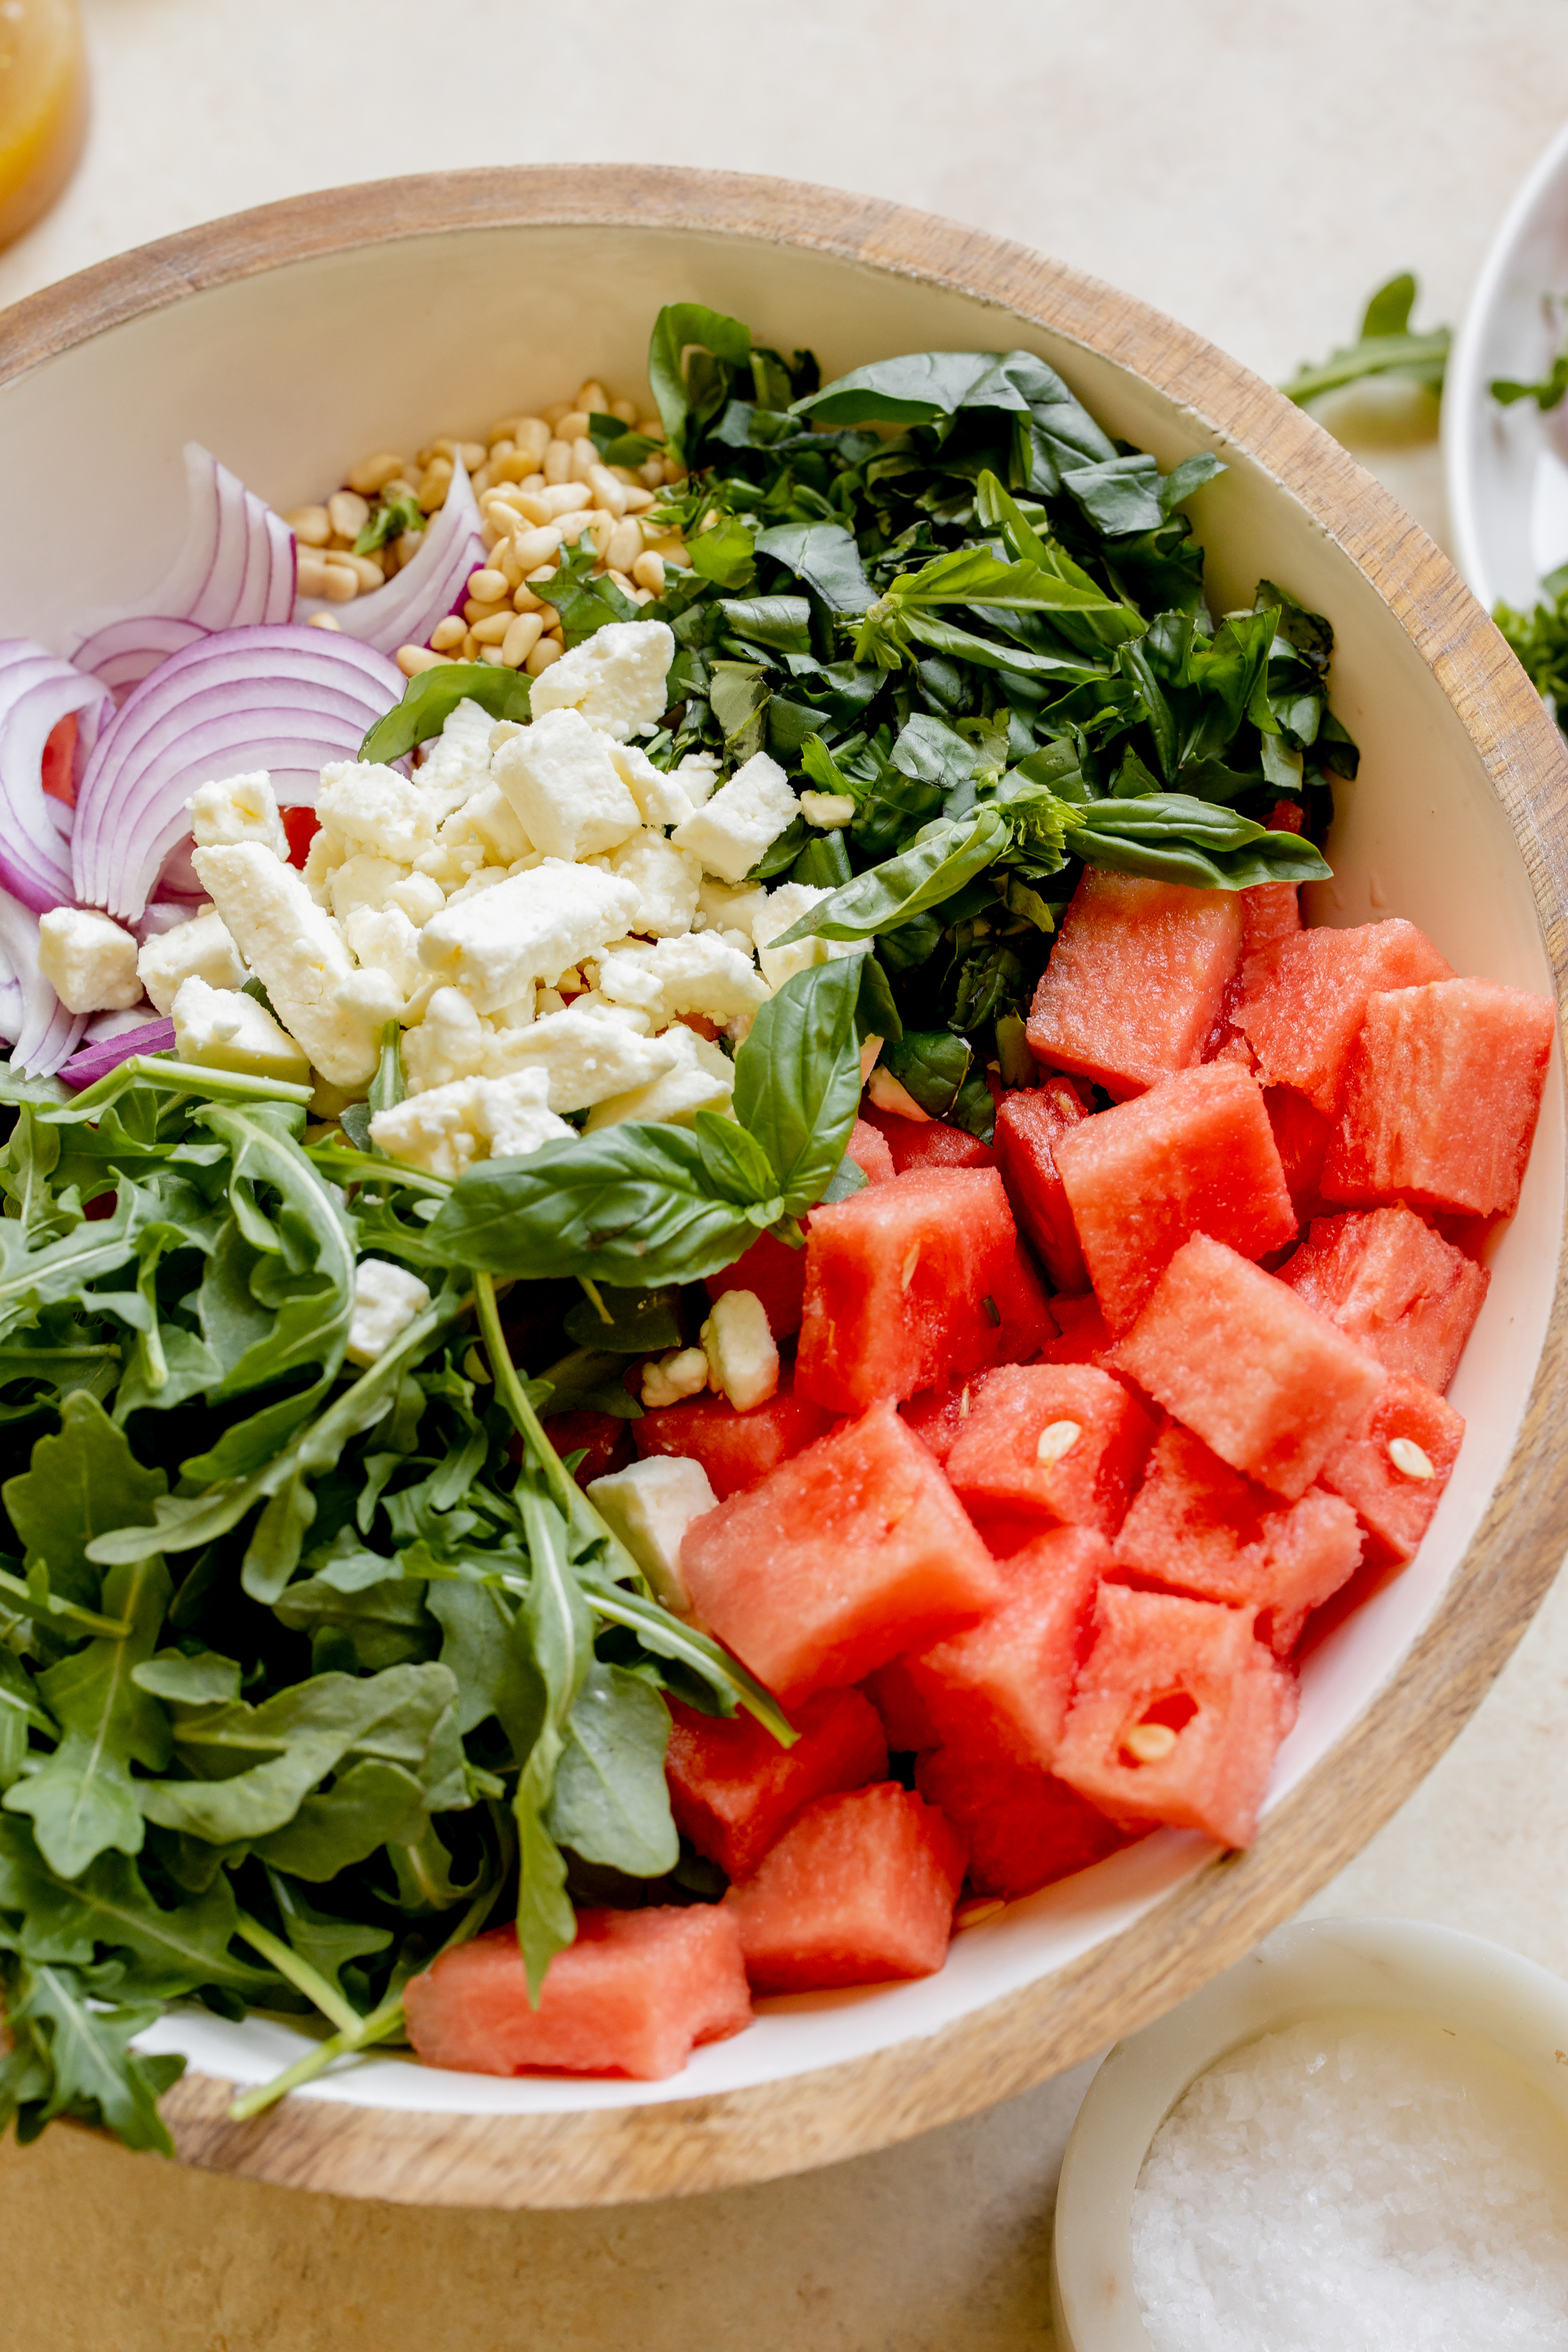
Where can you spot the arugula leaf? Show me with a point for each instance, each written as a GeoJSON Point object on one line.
{"type": "Point", "coordinates": [626, 1322]}
{"type": "Point", "coordinates": [1385, 346]}
{"type": "Point", "coordinates": [78, 1484]}
{"type": "Point", "coordinates": [430, 699]}
{"type": "Point", "coordinates": [610, 1803]}
{"type": "Point", "coordinates": [1547, 390]}
{"type": "Point", "coordinates": [1539, 639]}
{"type": "Point", "coordinates": [73, 2057]}
{"type": "Point", "coordinates": [107, 1906]}
{"type": "Point", "coordinates": [374, 1804]}
{"type": "Point", "coordinates": [555, 1622]}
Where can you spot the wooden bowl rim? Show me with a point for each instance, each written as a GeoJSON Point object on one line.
{"type": "Point", "coordinates": [685, 2145]}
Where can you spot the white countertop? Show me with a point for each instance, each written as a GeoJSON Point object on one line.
{"type": "Point", "coordinates": [1253, 170]}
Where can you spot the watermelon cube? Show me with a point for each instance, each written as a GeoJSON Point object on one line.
{"type": "Point", "coordinates": [845, 1555]}
{"type": "Point", "coordinates": [632, 1996]}
{"type": "Point", "coordinates": [1049, 1444]}
{"type": "Point", "coordinates": [736, 1449]}
{"type": "Point", "coordinates": [896, 1283]}
{"type": "Point", "coordinates": [1194, 1155]}
{"type": "Point", "coordinates": [1393, 1466]}
{"type": "Point", "coordinates": [1301, 1138]}
{"type": "Point", "coordinates": [775, 1273]}
{"type": "Point", "coordinates": [1001, 1689]}
{"type": "Point", "coordinates": [1441, 1097]}
{"type": "Point", "coordinates": [1270, 915]}
{"type": "Point", "coordinates": [1268, 1384]}
{"type": "Point", "coordinates": [1303, 1020]}
{"type": "Point", "coordinates": [859, 1889]}
{"type": "Point", "coordinates": [867, 1147]}
{"type": "Point", "coordinates": [937, 1416]}
{"type": "Point", "coordinates": [1024, 1318]}
{"type": "Point", "coordinates": [915, 1143]}
{"type": "Point", "coordinates": [899, 1707]}
{"type": "Point", "coordinates": [1177, 1716]}
{"type": "Point", "coordinates": [603, 1439]}
{"type": "Point", "coordinates": [733, 1790]}
{"type": "Point", "coordinates": [1085, 1336]}
{"type": "Point", "coordinates": [1136, 977]}
{"type": "Point", "coordinates": [1401, 1291]}
{"type": "Point", "coordinates": [1030, 1123]}
{"type": "Point", "coordinates": [1024, 1829]}
{"type": "Point", "coordinates": [1201, 1527]}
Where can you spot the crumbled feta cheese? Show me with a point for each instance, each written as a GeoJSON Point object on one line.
{"type": "Point", "coordinates": [666, 880]}
{"type": "Point", "coordinates": [744, 818]}
{"type": "Point", "coordinates": [202, 946]}
{"type": "Point", "coordinates": [452, 1126]}
{"type": "Point", "coordinates": [490, 820]}
{"type": "Point", "coordinates": [239, 808]}
{"type": "Point", "coordinates": [530, 928]}
{"type": "Point", "coordinates": [615, 678]}
{"type": "Point", "coordinates": [743, 1355]}
{"type": "Point", "coordinates": [447, 863]}
{"type": "Point", "coordinates": [593, 999]}
{"type": "Point", "coordinates": [336, 1010]}
{"type": "Point", "coordinates": [457, 762]}
{"type": "Point", "coordinates": [785, 906]}
{"type": "Point", "coordinates": [650, 1504]}
{"type": "Point", "coordinates": [698, 974]}
{"type": "Point", "coordinates": [362, 880]}
{"type": "Point", "coordinates": [661, 799]}
{"type": "Point", "coordinates": [88, 960]}
{"type": "Point", "coordinates": [451, 1042]}
{"type": "Point", "coordinates": [585, 1058]}
{"type": "Point", "coordinates": [419, 896]}
{"type": "Point", "coordinates": [722, 908]}
{"type": "Point", "coordinates": [888, 1095]}
{"type": "Point", "coordinates": [700, 1077]}
{"type": "Point", "coordinates": [387, 1299]}
{"type": "Point", "coordinates": [224, 1030]}
{"type": "Point", "coordinates": [697, 774]}
{"type": "Point", "coordinates": [564, 787]}
{"type": "Point", "coordinates": [682, 1373]}
{"type": "Point", "coordinates": [368, 807]}
{"type": "Point", "coordinates": [826, 809]}
{"type": "Point", "coordinates": [383, 937]}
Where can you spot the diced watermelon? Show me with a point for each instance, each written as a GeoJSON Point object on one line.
{"type": "Point", "coordinates": [1135, 979]}
{"type": "Point", "coordinates": [1401, 1291]}
{"type": "Point", "coordinates": [1394, 1496]}
{"type": "Point", "coordinates": [775, 1273]}
{"type": "Point", "coordinates": [896, 1277]}
{"type": "Point", "coordinates": [301, 826]}
{"type": "Point", "coordinates": [1085, 1335]}
{"type": "Point", "coordinates": [1441, 1097]}
{"type": "Point", "coordinates": [899, 1707]}
{"type": "Point", "coordinates": [936, 1415]}
{"type": "Point", "coordinates": [1302, 1022]}
{"type": "Point", "coordinates": [868, 1147]}
{"type": "Point", "coordinates": [1049, 1444]}
{"type": "Point", "coordinates": [861, 1888]}
{"type": "Point", "coordinates": [1301, 1138]}
{"type": "Point", "coordinates": [733, 1790]}
{"type": "Point", "coordinates": [845, 1555]}
{"type": "Point", "coordinates": [605, 1440]}
{"type": "Point", "coordinates": [1269, 1385]}
{"type": "Point", "coordinates": [632, 1996]}
{"type": "Point", "coordinates": [1194, 1155]}
{"type": "Point", "coordinates": [1001, 1689]}
{"type": "Point", "coordinates": [1024, 1318]}
{"type": "Point", "coordinates": [1270, 914]}
{"type": "Point", "coordinates": [926, 1143]}
{"type": "Point", "coordinates": [1029, 1125]}
{"type": "Point", "coordinates": [1191, 1668]}
{"type": "Point", "coordinates": [1024, 1829]}
{"type": "Point", "coordinates": [58, 776]}
{"type": "Point", "coordinates": [1199, 1526]}
{"type": "Point", "coordinates": [736, 1449]}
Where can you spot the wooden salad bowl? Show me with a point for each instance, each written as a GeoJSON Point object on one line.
{"type": "Point", "coordinates": [291, 339]}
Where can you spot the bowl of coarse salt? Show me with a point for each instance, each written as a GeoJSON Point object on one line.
{"type": "Point", "coordinates": [1355, 2140]}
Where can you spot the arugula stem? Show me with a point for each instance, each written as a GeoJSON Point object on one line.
{"type": "Point", "coordinates": [592, 1288]}
{"type": "Point", "coordinates": [568, 1495]}
{"type": "Point", "coordinates": [300, 1974]}
{"type": "Point", "coordinates": [28, 1603]}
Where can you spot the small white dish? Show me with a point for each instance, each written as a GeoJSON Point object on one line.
{"type": "Point", "coordinates": [1508, 467]}
{"type": "Point", "coordinates": [1311, 1970]}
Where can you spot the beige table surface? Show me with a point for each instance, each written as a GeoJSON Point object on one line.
{"type": "Point", "coordinates": [1254, 170]}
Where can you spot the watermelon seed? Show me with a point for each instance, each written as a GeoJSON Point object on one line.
{"type": "Point", "coordinates": [1151, 1743]}
{"type": "Point", "coordinates": [963, 1405]}
{"type": "Point", "coordinates": [1057, 1437]}
{"type": "Point", "coordinates": [907, 1271]}
{"type": "Point", "coordinates": [1407, 1456]}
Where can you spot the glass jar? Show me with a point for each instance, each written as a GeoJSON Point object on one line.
{"type": "Point", "coordinates": [43, 107]}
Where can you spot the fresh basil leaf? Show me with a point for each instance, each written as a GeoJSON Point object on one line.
{"type": "Point", "coordinates": [610, 1803]}
{"type": "Point", "coordinates": [876, 1015]}
{"type": "Point", "coordinates": [585, 601]}
{"type": "Point", "coordinates": [781, 623]}
{"type": "Point", "coordinates": [1170, 837]}
{"type": "Point", "coordinates": [931, 1064]}
{"type": "Point", "coordinates": [617, 445]}
{"type": "Point", "coordinates": [848, 1178]}
{"type": "Point", "coordinates": [429, 700]}
{"type": "Point", "coordinates": [725, 554]}
{"type": "Point", "coordinates": [797, 1079]}
{"type": "Point", "coordinates": [924, 875]}
{"type": "Point", "coordinates": [678, 327]}
{"type": "Point", "coordinates": [915, 389]}
{"type": "Point", "coordinates": [826, 556]}
{"type": "Point", "coordinates": [1183, 481]}
{"type": "Point", "coordinates": [1121, 495]}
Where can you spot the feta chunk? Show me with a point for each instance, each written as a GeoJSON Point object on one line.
{"type": "Point", "coordinates": [362, 880]}
{"type": "Point", "coordinates": [696, 775]}
{"type": "Point", "coordinates": [457, 764]}
{"type": "Point", "coordinates": [384, 940]}
{"type": "Point", "coordinates": [241, 808]}
{"type": "Point", "coordinates": [615, 678]}
{"type": "Point", "coordinates": [698, 974]}
{"type": "Point", "coordinates": [742, 1356]}
{"type": "Point", "coordinates": [744, 818]}
{"type": "Point", "coordinates": [452, 1126]}
{"type": "Point", "coordinates": [680, 1374]}
{"type": "Point", "coordinates": [420, 896]}
{"type": "Point", "coordinates": [785, 906]}
{"type": "Point", "coordinates": [564, 786]}
{"type": "Point", "coordinates": [722, 908]}
{"type": "Point", "coordinates": [584, 1058]}
{"type": "Point", "coordinates": [699, 1078]}
{"type": "Point", "coordinates": [371, 808]}
{"type": "Point", "coordinates": [88, 960]}
{"type": "Point", "coordinates": [202, 946]}
{"type": "Point", "coordinates": [387, 1299]}
{"type": "Point", "coordinates": [827, 810]}
{"type": "Point", "coordinates": [650, 1504]}
{"type": "Point", "coordinates": [666, 880]}
{"type": "Point", "coordinates": [451, 1042]}
{"type": "Point", "coordinates": [299, 955]}
{"type": "Point", "coordinates": [222, 1029]}
{"type": "Point", "coordinates": [662, 799]}
{"type": "Point", "coordinates": [530, 928]}
{"type": "Point", "coordinates": [490, 819]}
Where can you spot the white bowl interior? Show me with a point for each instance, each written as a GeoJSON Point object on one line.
{"type": "Point", "coordinates": [1457, 1981]}
{"type": "Point", "coordinates": [291, 376]}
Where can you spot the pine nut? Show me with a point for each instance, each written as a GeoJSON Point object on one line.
{"type": "Point", "coordinates": [490, 654]}
{"type": "Point", "coordinates": [652, 472]}
{"type": "Point", "coordinates": [520, 638]}
{"type": "Point", "coordinates": [492, 629]}
{"type": "Point", "coordinates": [407, 544]}
{"type": "Point", "coordinates": [548, 650]}
{"type": "Point", "coordinates": [625, 412]}
{"type": "Point", "coordinates": [674, 551]}
{"type": "Point", "coordinates": [651, 427]}
{"type": "Point", "coordinates": [607, 492]}
{"type": "Point", "coordinates": [411, 659]}
{"type": "Point", "coordinates": [637, 502]}
{"type": "Point", "coordinates": [624, 547]}
{"type": "Point", "coordinates": [470, 647]}
{"type": "Point", "coordinates": [963, 1405]}
{"type": "Point", "coordinates": [648, 571]}
{"type": "Point", "coordinates": [487, 586]}
{"type": "Point", "coordinates": [584, 458]}
{"type": "Point", "coordinates": [556, 463]}
{"type": "Point", "coordinates": [555, 411]}
{"type": "Point", "coordinates": [324, 620]}
{"type": "Point", "coordinates": [503, 557]}
{"type": "Point", "coordinates": [474, 612]}
{"type": "Point", "coordinates": [551, 619]}
{"type": "Point", "coordinates": [604, 528]}
{"type": "Point", "coordinates": [574, 426]}
{"type": "Point", "coordinates": [1057, 1439]}
{"type": "Point", "coordinates": [1411, 1459]}
{"type": "Point", "coordinates": [348, 513]}
{"type": "Point", "coordinates": [365, 569]}
{"type": "Point", "coordinates": [311, 526]}
{"type": "Point", "coordinates": [673, 470]}
{"type": "Point", "coordinates": [524, 599]}
{"type": "Point", "coordinates": [1150, 1742]}
{"type": "Point", "coordinates": [480, 481]}
{"type": "Point", "coordinates": [447, 634]}
{"type": "Point", "coordinates": [435, 483]}
{"type": "Point", "coordinates": [310, 578]}
{"type": "Point", "coordinates": [372, 474]}
{"type": "Point", "coordinates": [592, 397]}
{"type": "Point", "coordinates": [530, 439]}
{"type": "Point", "coordinates": [640, 595]}
{"type": "Point", "coordinates": [340, 581]}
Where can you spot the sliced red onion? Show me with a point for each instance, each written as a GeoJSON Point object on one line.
{"type": "Point", "coordinates": [38, 689]}
{"type": "Point", "coordinates": [281, 698]}
{"type": "Point", "coordinates": [430, 586]}
{"type": "Point", "coordinates": [236, 567]}
{"type": "Point", "coordinates": [105, 1053]}
{"type": "Point", "coordinates": [47, 1034]}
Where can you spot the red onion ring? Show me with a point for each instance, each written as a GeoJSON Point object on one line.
{"type": "Point", "coordinates": [430, 586]}
{"type": "Point", "coordinates": [95, 1061]}
{"type": "Point", "coordinates": [36, 691]}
